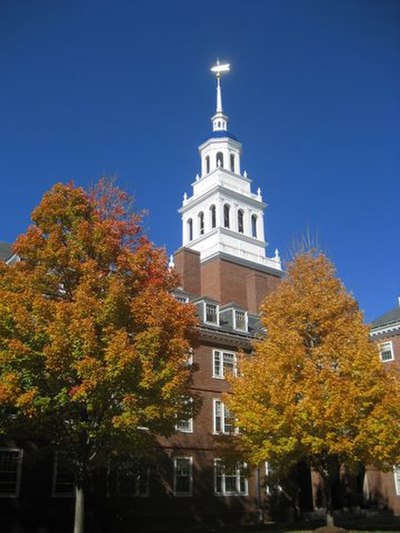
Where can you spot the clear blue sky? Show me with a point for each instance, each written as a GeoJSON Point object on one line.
{"type": "Point", "coordinates": [92, 87]}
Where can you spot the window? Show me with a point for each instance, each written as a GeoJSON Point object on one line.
{"type": "Point", "coordinates": [220, 159]}
{"type": "Point", "coordinates": [386, 351]}
{"type": "Point", "coordinates": [240, 221]}
{"type": "Point", "coordinates": [207, 164]}
{"type": "Point", "coordinates": [271, 481]}
{"type": "Point", "coordinates": [232, 163]}
{"type": "Point", "coordinates": [397, 479]}
{"type": "Point", "coordinates": [128, 476]}
{"type": "Point", "coordinates": [224, 363]}
{"type": "Point", "coordinates": [213, 216]}
{"type": "Point", "coordinates": [226, 215]}
{"type": "Point", "coordinates": [181, 299]}
{"type": "Point", "coordinates": [190, 229]}
{"type": "Point", "coordinates": [211, 314]}
{"type": "Point", "coordinates": [240, 320]}
{"type": "Point", "coordinates": [229, 479]}
{"type": "Point", "coordinates": [63, 477]}
{"type": "Point", "coordinates": [189, 357]}
{"type": "Point", "coordinates": [183, 476]}
{"type": "Point", "coordinates": [10, 472]}
{"type": "Point", "coordinates": [224, 421]}
{"type": "Point", "coordinates": [254, 226]}
{"type": "Point", "coordinates": [201, 223]}
{"type": "Point", "coordinates": [185, 425]}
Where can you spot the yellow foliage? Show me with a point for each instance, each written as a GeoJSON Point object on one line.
{"type": "Point", "coordinates": [315, 387]}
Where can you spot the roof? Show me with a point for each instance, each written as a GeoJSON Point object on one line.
{"type": "Point", "coordinates": [219, 135]}
{"type": "Point", "coordinates": [6, 251]}
{"type": "Point", "coordinates": [391, 317]}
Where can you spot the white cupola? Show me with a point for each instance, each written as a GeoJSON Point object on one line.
{"type": "Point", "coordinates": [223, 215]}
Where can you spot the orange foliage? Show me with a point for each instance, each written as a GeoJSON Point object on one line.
{"type": "Point", "coordinates": [92, 343]}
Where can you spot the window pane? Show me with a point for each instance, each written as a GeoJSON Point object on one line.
{"type": "Point", "coordinates": [10, 471]}
{"type": "Point", "coordinates": [218, 416]}
{"type": "Point", "coordinates": [211, 313]}
{"type": "Point", "coordinates": [182, 475]}
{"type": "Point", "coordinates": [240, 320]}
{"type": "Point", "coordinates": [386, 351]}
{"type": "Point", "coordinates": [226, 216]}
{"type": "Point", "coordinates": [240, 221]}
{"type": "Point", "coordinates": [228, 364]}
{"type": "Point", "coordinates": [217, 364]}
{"type": "Point", "coordinates": [128, 476]}
{"type": "Point", "coordinates": [254, 226]}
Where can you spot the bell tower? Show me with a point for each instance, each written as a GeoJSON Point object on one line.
{"type": "Point", "coordinates": [223, 219]}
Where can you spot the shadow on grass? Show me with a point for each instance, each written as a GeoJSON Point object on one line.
{"type": "Point", "coordinates": [379, 523]}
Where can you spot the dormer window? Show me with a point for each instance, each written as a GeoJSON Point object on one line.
{"type": "Point", "coordinates": [220, 159]}
{"type": "Point", "coordinates": [211, 313]}
{"type": "Point", "coordinates": [226, 215]}
{"type": "Point", "coordinates": [254, 226]}
{"type": "Point", "coordinates": [201, 223]}
{"type": "Point", "coordinates": [240, 320]}
{"type": "Point", "coordinates": [240, 221]}
{"type": "Point", "coordinates": [181, 299]}
{"type": "Point", "coordinates": [213, 217]}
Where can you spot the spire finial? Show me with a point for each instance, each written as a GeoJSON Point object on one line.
{"type": "Point", "coordinates": [218, 69]}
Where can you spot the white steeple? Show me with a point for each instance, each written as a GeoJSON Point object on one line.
{"type": "Point", "coordinates": [219, 120]}
{"type": "Point", "coordinates": [223, 216]}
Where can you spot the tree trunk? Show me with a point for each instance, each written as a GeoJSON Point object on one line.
{"type": "Point", "coordinates": [329, 518]}
{"type": "Point", "coordinates": [327, 480]}
{"type": "Point", "coordinates": [79, 510]}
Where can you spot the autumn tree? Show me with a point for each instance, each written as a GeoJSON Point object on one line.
{"type": "Point", "coordinates": [315, 389]}
{"type": "Point", "coordinates": [93, 345]}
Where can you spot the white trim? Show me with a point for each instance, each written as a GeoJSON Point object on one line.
{"type": "Point", "coordinates": [190, 476]}
{"type": "Point", "coordinates": [396, 472]}
{"type": "Point", "coordinates": [385, 329]}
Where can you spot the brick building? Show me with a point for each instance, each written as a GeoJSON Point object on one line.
{"type": "Point", "coordinates": [383, 489]}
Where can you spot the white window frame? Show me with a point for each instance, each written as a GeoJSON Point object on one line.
{"type": "Point", "coordinates": [189, 357]}
{"type": "Point", "coordinates": [59, 470]}
{"type": "Point", "coordinates": [386, 347]}
{"type": "Point", "coordinates": [17, 460]}
{"type": "Point", "coordinates": [216, 306]}
{"type": "Point", "coordinates": [219, 364]}
{"type": "Point", "coordinates": [224, 415]}
{"type": "Point", "coordinates": [396, 473]}
{"type": "Point", "coordinates": [181, 299]}
{"type": "Point", "coordinates": [268, 486]}
{"type": "Point", "coordinates": [189, 460]}
{"type": "Point", "coordinates": [185, 425]}
{"type": "Point", "coordinates": [240, 479]}
{"type": "Point", "coordinates": [268, 471]}
{"type": "Point", "coordinates": [235, 326]}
